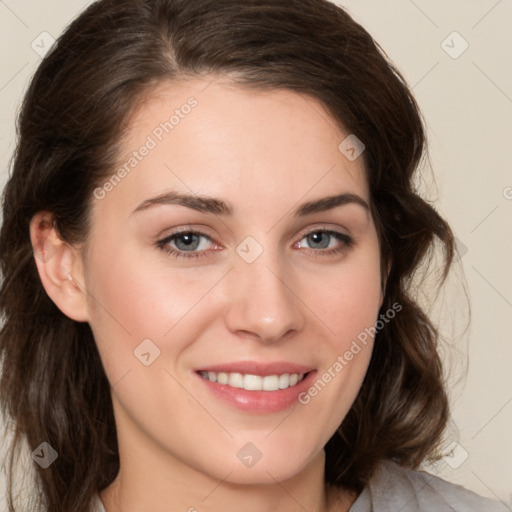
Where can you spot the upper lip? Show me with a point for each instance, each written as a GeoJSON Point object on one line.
{"type": "Point", "coordinates": [257, 368]}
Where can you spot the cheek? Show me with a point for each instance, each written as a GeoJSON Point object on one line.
{"type": "Point", "coordinates": [132, 300]}
{"type": "Point", "coordinates": [344, 361]}
{"type": "Point", "coordinates": [348, 309]}
{"type": "Point", "coordinates": [350, 298]}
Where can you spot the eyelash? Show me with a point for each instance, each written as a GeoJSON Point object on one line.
{"type": "Point", "coordinates": [347, 243]}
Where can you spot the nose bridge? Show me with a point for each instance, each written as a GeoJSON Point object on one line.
{"type": "Point", "coordinates": [262, 301]}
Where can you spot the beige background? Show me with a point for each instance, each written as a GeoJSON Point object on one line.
{"type": "Point", "coordinates": [467, 103]}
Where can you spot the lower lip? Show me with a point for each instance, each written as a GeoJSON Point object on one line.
{"type": "Point", "coordinates": [259, 401]}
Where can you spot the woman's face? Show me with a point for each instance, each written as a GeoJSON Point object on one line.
{"type": "Point", "coordinates": [266, 268]}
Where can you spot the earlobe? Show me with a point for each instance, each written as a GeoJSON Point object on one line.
{"type": "Point", "coordinates": [60, 267]}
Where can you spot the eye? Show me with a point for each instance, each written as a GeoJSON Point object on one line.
{"type": "Point", "coordinates": [326, 242]}
{"type": "Point", "coordinates": [185, 244]}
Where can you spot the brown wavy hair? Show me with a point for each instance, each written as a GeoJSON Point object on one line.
{"type": "Point", "coordinates": [72, 121]}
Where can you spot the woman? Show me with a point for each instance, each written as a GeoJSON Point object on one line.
{"type": "Point", "coordinates": [208, 240]}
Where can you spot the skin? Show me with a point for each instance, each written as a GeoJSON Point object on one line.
{"type": "Point", "coordinates": [266, 153]}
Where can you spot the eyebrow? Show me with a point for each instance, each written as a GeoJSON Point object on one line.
{"type": "Point", "coordinates": [219, 207]}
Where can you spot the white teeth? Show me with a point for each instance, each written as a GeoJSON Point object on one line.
{"type": "Point", "coordinates": [236, 380]}
{"type": "Point", "coordinates": [251, 382]}
{"type": "Point", "coordinates": [222, 378]}
{"type": "Point", "coordinates": [270, 383]}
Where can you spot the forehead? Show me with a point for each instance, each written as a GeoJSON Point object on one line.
{"type": "Point", "coordinates": [211, 136]}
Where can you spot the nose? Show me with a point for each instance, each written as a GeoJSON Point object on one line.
{"type": "Point", "coordinates": [263, 303]}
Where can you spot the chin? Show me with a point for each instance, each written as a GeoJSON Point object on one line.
{"type": "Point", "coordinates": [276, 466]}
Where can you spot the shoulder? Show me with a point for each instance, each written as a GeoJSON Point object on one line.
{"type": "Point", "coordinates": [393, 488]}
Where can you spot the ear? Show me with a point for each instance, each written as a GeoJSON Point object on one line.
{"type": "Point", "coordinates": [60, 267]}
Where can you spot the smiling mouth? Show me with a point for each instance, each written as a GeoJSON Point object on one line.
{"type": "Point", "coordinates": [251, 382]}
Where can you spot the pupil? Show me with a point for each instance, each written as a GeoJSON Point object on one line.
{"type": "Point", "coordinates": [186, 240]}
{"type": "Point", "coordinates": [317, 239]}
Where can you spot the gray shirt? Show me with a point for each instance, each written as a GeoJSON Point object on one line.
{"type": "Point", "coordinates": [396, 489]}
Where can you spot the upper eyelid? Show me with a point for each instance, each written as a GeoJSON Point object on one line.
{"type": "Point", "coordinates": [180, 231]}
{"type": "Point", "coordinates": [176, 234]}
